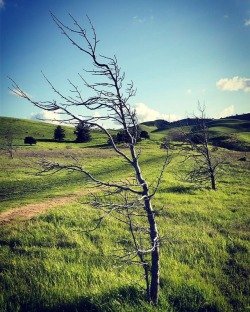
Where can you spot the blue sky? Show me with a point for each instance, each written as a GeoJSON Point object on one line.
{"type": "Point", "coordinates": [177, 52]}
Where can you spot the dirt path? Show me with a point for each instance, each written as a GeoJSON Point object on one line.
{"type": "Point", "coordinates": [28, 211]}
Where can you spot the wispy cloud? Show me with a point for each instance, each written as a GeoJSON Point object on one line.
{"type": "Point", "coordinates": [16, 92]}
{"type": "Point", "coordinates": [53, 117]}
{"type": "Point", "coordinates": [247, 22]}
{"type": "Point", "coordinates": [145, 113]}
{"type": "Point", "coordinates": [140, 20]}
{"type": "Point", "coordinates": [234, 84]}
{"type": "Point", "coordinates": [228, 111]}
{"type": "Point", "coordinates": [1, 4]}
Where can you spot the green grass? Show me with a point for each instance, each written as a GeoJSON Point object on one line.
{"type": "Point", "coordinates": [20, 185]}
{"type": "Point", "coordinates": [50, 263]}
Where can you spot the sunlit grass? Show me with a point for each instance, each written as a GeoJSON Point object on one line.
{"type": "Point", "coordinates": [50, 263]}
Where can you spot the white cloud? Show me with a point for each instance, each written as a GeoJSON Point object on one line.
{"type": "Point", "coordinates": [44, 115]}
{"type": "Point", "coordinates": [189, 91]}
{"type": "Point", "coordinates": [1, 4]}
{"type": "Point", "coordinates": [247, 22]}
{"type": "Point", "coordinates": [138, 19]}
{"type": "Point", "coordinates": [228, 111]}
{"type": "Point", "coordinates": [234, 84]}
{"type": "Point", "coordinates": [141, 20]}
{"type": "Point", "coordinates": [145, 113]}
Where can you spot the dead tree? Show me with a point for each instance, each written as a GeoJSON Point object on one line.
{"type": "Point", "coordinates": [129, 202]}
{"type": "Point", "coordinates": [205, 163]}
{"type": "Point", "coordinates": [8, 144]}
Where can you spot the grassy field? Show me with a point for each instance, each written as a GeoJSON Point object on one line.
{"type": "Point", "coordinates": [49, 263]}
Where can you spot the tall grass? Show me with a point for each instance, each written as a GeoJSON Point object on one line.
{"type": "Point", "coordinates": [50, 263]}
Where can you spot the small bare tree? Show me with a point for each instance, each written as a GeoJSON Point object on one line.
{"type": "Point", "coordinates": [204, 161]}
{"type": "Point", "coordinates": [129, 201]}
{"type": "Point", "coordinates": [8, 143]}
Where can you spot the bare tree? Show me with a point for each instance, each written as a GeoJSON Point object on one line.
{"type": "Point", "coordinates": [8, 143]}
{"type": "Point", "coordinates": [204, 160]}
{"type": "Point", "coordinates": [128, 201]}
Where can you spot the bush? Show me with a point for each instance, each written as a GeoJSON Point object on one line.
{"type": "Point", "coordinates": [29, 140]}
{"type": "Point", "coordinates": [82, 132]}
{"type": "Point", "coordinates": [144, 135]}
{"type": "Point", "coordinates": [59, 134]}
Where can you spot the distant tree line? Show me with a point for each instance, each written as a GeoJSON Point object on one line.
{"type": "Point", "coordinates": [82, 132]}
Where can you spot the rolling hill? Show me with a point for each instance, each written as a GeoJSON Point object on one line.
{"type": "Point", "coordinates": [231, 132]}
{"type": "Point", "coordinates": [20, 128]}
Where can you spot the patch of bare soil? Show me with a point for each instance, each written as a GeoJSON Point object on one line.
{"type": "Point", "coordinates": [29, 211]}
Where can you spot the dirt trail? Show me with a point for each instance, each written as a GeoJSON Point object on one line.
{"type": "Point", "coordinates": [28, 211]}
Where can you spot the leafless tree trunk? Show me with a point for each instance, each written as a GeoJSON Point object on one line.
{"type": "Point", "coordinates": [110, 98]}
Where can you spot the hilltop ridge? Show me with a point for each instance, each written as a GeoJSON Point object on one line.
{"type": "Point", "coordinates": [162, 124]}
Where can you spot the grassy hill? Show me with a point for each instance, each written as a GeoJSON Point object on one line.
{"type": "Point", "coordinates": [20, 128]}
{"type": "Point", "coordinates": [229, 133]}
{"type": "Point", "coordinates": [41, 131]}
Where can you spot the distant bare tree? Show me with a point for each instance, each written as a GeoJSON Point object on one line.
{"type": "Point", "coordinates": [176, 135]}
{"type": "Point", "coordinates": [205, 162]}
{"type": "Point", "coordinates": [129, 201]}
{"type": "Point", "coordinates": [8, 143]}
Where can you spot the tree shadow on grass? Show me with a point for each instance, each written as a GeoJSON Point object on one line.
{"type": "Point", "coordinates": [181, 189]}
{"type": "Point", "coordinates": [109, 301]}
{"type": "Point", "coordinates": [85, 304]}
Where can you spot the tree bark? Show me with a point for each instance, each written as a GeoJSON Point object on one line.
{"type": "Point", "coordinates": [154, 235]}
{"type": "Point", "coordinates": [213, 182]}
{"type": "Point", "coordinates": [155, 254]}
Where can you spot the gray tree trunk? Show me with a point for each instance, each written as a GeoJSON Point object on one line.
{"type": "Point", "coordinates": [154, 235]}
{"type": "Point", "coordinates": [155, 254]}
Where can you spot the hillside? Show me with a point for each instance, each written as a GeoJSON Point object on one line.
{"type": "Point", "coordinates": [21, 128]}
{"type": "Point", "coordinates": [240, 117]}
{"type": "Point", "coordinates": [232, 133]}
{"type": "Point", "coordinates": [161, 124]}
{"type": "Point", "coordinates": [41, 131]}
